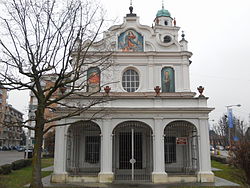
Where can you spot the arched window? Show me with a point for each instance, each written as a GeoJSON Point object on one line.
{"type": "Point", "coordinates": [93, 79]}
{"type": "Point", "coordinates": [130, 80]}
{"type": "Point", "coordinates": [167, 79]}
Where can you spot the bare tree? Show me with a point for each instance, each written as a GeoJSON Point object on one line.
{"type": "Point", "coordinates": [44, 37]}
{"type": "Point", "coordinates": [222, 130]}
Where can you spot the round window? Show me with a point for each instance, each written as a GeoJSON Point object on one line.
{"type": "Point", "coordinates": [167, 39]}
{"type": "Point", "coordinates": [130, 80]}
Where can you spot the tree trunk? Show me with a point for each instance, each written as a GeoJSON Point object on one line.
{"type": "Point", "coordinates": [36, 161]}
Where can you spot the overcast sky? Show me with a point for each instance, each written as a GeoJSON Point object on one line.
{"type": "Point", "coordinates": [218, 32]}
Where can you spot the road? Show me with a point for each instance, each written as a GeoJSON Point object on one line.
{"type": "Point", "coordinates": [10, 156]}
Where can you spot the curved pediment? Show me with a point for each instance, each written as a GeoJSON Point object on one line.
{"type": "Point", "coordinates": [131, 36]}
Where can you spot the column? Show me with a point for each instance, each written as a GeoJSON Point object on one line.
{"type": "Point", "coordinates": [205, 174]}
{"type": "Point", "coordinates": [106, 175]}
{"type": "Point", "coordinates": [159, 175]}
{"type": "Point", "coordinates": [59, 174]}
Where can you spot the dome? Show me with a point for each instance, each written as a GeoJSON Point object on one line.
{"type": "Point", "coordinates": [163, 12]}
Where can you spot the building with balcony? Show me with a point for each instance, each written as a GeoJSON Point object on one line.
{"type": "Point", "coordinates": [9, 135]}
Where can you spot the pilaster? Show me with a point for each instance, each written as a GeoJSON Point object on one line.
{"type": "Point", "coordinates": [106, 175]}
{"type": "Point", "coordinates": [59, 174]}
{"type": "Point", "coordinates": [205, 174]}
{"type": "Point", "coordinates": [159, 175]}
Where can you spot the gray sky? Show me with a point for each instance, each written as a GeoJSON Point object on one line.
{"type": "Point", "coordinates": [218, 32]}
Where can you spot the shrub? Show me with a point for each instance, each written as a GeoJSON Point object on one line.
{"type": "Point", "coordinates": [240, 157]}
{"type": "Point", "coordinates": [6, 169]}
{"type": "Point", "coordinates": [28, 162]}
{"type": "Point", "coordinates": [20, 164]}
{"type": "Point", "coordinates": [1, 170]}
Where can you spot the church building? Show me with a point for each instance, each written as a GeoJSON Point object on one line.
{"type": "Point", "coordinates": [156, 128]}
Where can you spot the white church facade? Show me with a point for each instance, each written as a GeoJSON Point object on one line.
{"type": "Point", "coordinates": [156, 129]}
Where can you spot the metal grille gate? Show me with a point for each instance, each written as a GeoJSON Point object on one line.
{"type": "Point", "coordinates": [83, 148]}
{"type": "Point", "coordinates": [181, 148]}
{"type": "Point", "coordinates": [132, 151]}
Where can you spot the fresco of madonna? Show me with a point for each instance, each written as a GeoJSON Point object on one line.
{"type": "Point", "coordinates": [167, 79]}
{"type": "Point", "coordinates": [130, 41]}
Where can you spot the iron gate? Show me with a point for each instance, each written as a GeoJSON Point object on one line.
{"type": "Point", "coordinates": [132, 151]}
{"type": "Point", "coordinates": [181, 148]}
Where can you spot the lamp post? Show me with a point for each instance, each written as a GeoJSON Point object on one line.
{"type": "Point", "coordinates": [230, 119]}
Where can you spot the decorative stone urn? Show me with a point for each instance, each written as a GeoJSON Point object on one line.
{"type": "Point", "coordinates": [157, 90]}
{"type": "Point", "coordinates": [107, 89]}
{"type": "Point", "coordinates": [200, 89]}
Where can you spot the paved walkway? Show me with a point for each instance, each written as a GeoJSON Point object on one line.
{"type": "Point", "coordinates": [218, 182]}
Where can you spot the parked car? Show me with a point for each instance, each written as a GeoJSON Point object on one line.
{"type": "Point", "coordinates": [1, 148]}
{"type": "Point", "coordinates": [5, 148]}
{"type": "Point", "coordinates": [13, 147]}
{"type": "Point", "coordinates": [220, 148]}
{"type": "Point", "coordinates": [227, 148]}
{"type": "Point", "coordinates": [211, 148]}
{"type": "Point", "coordinates": [21, 148]}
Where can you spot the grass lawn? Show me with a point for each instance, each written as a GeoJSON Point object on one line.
{"type": "Point", "coordinates": [228, 172]}
{"type": "Point", "coordinates": [19, 178]}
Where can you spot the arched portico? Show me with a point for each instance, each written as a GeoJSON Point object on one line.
{"type": "Point", "coordinates": [181, 148]}
{"type": "Point", "coordinates": [83, 148]}
{"type": "Point", "coordinates": [132, 151]}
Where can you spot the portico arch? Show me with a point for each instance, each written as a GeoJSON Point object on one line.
{"type": "Point", "coordinates": [132, 151]}
{"type": "Point", "coordinates": [181, 148]}
{"type": "Point", "coordinates": [83, 148]}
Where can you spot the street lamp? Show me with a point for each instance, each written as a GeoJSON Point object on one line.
{"type": "Point", "coordinates": [230, 119]}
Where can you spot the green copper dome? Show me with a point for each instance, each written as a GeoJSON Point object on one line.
{"type": "Point", "coordinates": [163, 12]}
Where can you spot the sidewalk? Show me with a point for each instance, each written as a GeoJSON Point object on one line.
{"type": "Point", "coordinates": [218, 182]}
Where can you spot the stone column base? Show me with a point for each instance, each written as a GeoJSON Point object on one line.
{"type": "Point", "coordinates": [159, 177]}
{"type": "Point", "coordinates": [205, 177]}
{"type": "Point", "coordinates": [105, 177]}
{"type": "Point", "coordinates": [58, 178]}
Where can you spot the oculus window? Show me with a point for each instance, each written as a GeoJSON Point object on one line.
{"type": "Point", "coordinates": [167, 39]}
{"type": "Point", "coordinates": [130, 80]}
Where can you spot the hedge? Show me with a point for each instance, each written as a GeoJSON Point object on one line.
{"type": "Point", "coordinates": [6, 169]}
{"type": "Point", "coordinates": [21, 164]}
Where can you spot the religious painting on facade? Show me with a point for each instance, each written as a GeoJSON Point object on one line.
{"type": "Point", "coordinates": [130, 41]}
{"type": "Point", "coordinates": [93, 77]}
{"type": "Point", "coordinates": [167, 79]}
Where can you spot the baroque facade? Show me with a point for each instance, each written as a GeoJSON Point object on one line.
{"type": "Point", "coordinates": [156, 129]}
